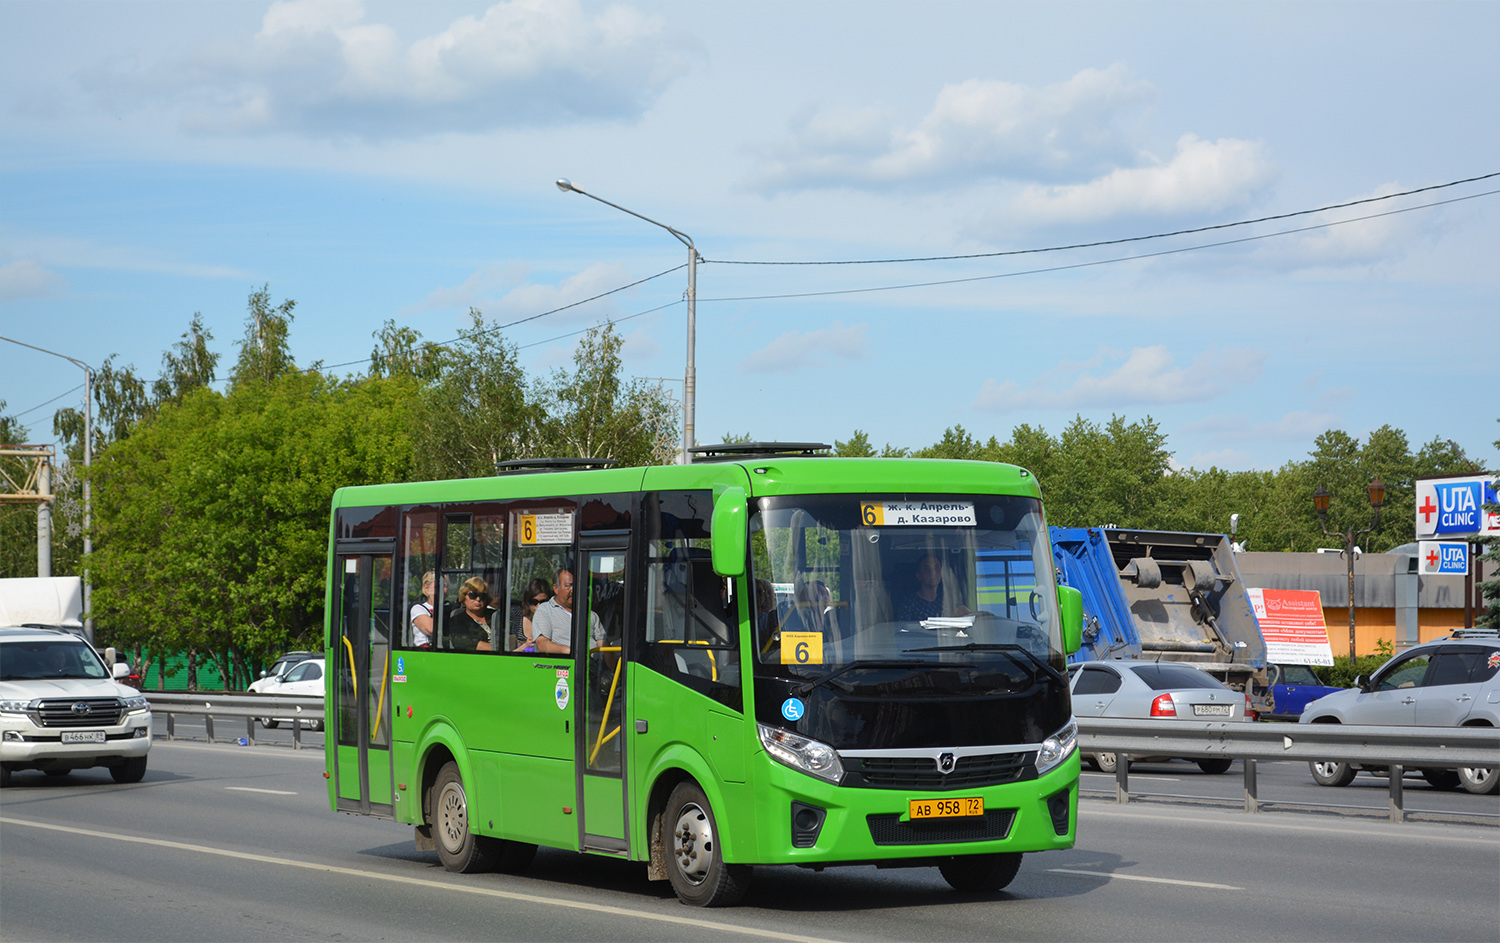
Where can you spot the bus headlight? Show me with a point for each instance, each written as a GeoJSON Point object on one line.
{"type": "Point", "coordinates": [1056, 748]}
{"type": "Point", "coordinates": [137, 705]}
{"type": "Point", "coordinates": [801, 753]}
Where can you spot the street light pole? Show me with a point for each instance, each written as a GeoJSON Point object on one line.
{"type": "Point", "coordinates": [1320, 504]}
{"type": "Point", "coordinates": [88, 460]}
{"type": "Point", "coordinates": [690, 375]}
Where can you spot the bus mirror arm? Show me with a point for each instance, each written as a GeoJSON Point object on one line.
{"type": "Point", "coordinates": [730, 531]}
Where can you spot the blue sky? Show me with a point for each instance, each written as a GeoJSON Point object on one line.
{"type": "Point", "coordinates": [396, 161]}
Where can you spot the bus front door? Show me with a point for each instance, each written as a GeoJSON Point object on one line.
{"type": "Point", "coordinates": [599, 615]}
{"type": "Point", "coordinates": [361, 694]}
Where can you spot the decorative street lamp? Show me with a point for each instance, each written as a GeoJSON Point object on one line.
{"type": "Point", "coordinates": [1320, 503]}
{"type": "Point", "coordinates": [690, 376]}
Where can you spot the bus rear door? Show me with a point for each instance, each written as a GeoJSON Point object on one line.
{"type": "Point", "coordinates": [359, 673]}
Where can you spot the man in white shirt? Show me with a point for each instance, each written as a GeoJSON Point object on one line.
{"type": "Point", "coordinates": [552, 625]}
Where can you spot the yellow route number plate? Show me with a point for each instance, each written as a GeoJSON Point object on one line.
{"type": "Point", "coordinates": [946, 808]}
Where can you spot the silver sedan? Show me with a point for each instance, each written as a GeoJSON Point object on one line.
{"type": "Point", "coordinates": [1166, 690]}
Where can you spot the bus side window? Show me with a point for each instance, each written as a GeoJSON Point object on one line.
{"type": "Point", "coordinates": [419, 553]}
{"type": "Point", "coordinates": [691, 625]}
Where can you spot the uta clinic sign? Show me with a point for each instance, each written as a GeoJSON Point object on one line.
{"type": "Point", "coordinates": [1454, 507]}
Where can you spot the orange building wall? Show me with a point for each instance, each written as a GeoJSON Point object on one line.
{"type": "Point", "coordinates": [1372, 625]}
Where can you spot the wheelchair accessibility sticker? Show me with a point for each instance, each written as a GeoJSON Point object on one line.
{"type": "Point", "coordinates": [561, 693]}
{"type": "Point", "coordinates": [792, 709]}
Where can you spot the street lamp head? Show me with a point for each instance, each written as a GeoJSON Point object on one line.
{"type": "Point", "coordinates": [1320, 501]}
{"type": "Point", "coordinates": [1377, 493]}
{"type": "Point", "coordinates": [566, 185]}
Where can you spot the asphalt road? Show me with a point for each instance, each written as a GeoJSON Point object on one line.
{"type": "Point", "coordinates": [222, 842]}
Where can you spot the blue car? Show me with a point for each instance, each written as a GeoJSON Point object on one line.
{"type": "Point", "coordinates": [1292, 688]}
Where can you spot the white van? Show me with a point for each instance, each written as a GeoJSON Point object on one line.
{"type": "Point", "coordinates": [62, 709]}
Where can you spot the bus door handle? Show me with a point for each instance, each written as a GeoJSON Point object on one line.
{"type": "Point", "coordinates": [641, 726]}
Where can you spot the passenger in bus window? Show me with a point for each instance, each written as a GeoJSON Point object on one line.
{"type": "Point", "coordinates": [469, 627]}
{"type": "Point", "coordinates": [538, 591]}
{"type": "Point", "coordinates": [552, 624]}
{"type": "Point", "coordinates": [421, 614]}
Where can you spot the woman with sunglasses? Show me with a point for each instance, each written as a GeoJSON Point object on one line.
{"type": "Point", "coordinates": [469, 626]}
{"type": "Point", "coordinates": [537, 592]}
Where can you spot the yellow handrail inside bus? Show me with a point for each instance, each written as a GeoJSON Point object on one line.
{"type": "Point", "coordinates": [354, 676]}
{"type": "Point", "coordinates": [713, 663]}
{"type": "Point", "coordinates": [379, 708]}
{"type": "Point", "coordinates": [608, 703]}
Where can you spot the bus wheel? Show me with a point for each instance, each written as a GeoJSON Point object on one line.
{"type": "Point", "coordinates": [981, 873]}
{"type": "Point", "coordinates": [460, 849]}
{"type": "Point", "coordinates": [695, 866]}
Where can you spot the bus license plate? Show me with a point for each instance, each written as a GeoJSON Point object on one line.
{"type": "Point", "coordinates": [946, 808]}
{"type": "Point", "coordinates": [83, 736]}
{"type": "Point", "coordinates": [1212, 710]}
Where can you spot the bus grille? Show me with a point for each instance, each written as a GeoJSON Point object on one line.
{"type": "Point", "coordinates": [919, 772]}
{"type": "Point", "coordinates": [95, 712]}
{"type": "Point", "coordinates": [888, 829]}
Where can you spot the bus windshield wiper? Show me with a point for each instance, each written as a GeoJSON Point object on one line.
{"type": "Point", "coordinates": [806, 687]}
{"type": "Point", "coordinates": [1007, 647]}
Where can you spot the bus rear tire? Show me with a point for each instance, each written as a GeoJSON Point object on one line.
{"type": "Point", "coordinates": [459, 848]}
{"type": "Point", "coordinates": [695, 864]}
{"type": "Point", "coordinates": [981, 873]}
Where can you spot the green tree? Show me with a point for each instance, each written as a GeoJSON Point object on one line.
{"type": "Point", "coordinates": [17, 519]}
{"type": "Point", "coordinates": [401, 352]}
{"type": "Point", "coordinates": [265, 351]}
{"type": "Point", "coordinates": [593, 411]}
{"type": "Point", "coordinates": [857, 446]}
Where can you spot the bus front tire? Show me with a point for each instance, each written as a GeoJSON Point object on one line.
{"type": "Point", "coordinates": [981, 873]}
{"type": "Point", "coordinates": [458, 847]}
{"type": "Point", "coordinates": [695, 864]}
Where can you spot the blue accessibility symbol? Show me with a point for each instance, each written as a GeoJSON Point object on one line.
{"type": "Point", "coordinates": [400, 666]}
{"type": "Point", "coordinates": [792, 709]}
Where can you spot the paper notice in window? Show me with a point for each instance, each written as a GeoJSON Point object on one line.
{"type": "Point", "coordinates": [546, 529]}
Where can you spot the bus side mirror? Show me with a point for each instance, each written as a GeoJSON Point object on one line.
{"type": "Point", "coordinates": [1070, 608]}
{"type": "Point", "coordinates": [730, 523]}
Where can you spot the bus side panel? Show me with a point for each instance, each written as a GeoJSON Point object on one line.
{"type": "Point", "coordinates": [536, 801]}
{"type": "Point", "coordinates": [680, 735]}
{"type": "Point", "coordinates": [408, 804]}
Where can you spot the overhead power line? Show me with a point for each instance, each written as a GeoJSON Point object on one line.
{"type": "Point", "coordinates": [1089, 264]}
{"type": "Point", "coordinates": [1123, 240]}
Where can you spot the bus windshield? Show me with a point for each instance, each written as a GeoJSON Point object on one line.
{"type": "Point", "coordinates": [845, 581]}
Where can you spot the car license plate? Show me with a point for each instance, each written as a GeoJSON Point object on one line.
{"type": "Point", "coordinates": [1212, 710]}
{"type": "Point", "coordinates": [946, 808]}
{"type": "Point", "coordinates": [83, 736]}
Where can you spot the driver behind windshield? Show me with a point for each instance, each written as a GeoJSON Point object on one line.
{"type": "Point", "coordinates": [926, 601]}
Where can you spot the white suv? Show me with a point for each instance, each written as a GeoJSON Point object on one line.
{"type": "Point", "coordinates": [61, 709]}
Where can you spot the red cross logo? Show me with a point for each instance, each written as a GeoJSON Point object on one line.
{"type": "Point", "coordinates": [1432, 558]}
{"type": "Point", "coordinates": [1428, 509]}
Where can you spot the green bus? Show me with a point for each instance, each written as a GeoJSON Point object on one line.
{"type": "Point", "coordinates": [766, 657]}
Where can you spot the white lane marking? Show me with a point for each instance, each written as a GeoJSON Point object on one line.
{"type": "Point", "coordinates": [433, 885]}
{"type": "Point", "coordinates": [1133, 877]}
{"type": "Point", "coordinates": [269, 792]}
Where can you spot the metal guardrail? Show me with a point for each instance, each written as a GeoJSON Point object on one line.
{"type": "Point", "coordinates": [1399, 748]}
{"type": "Point", "coordinates": [208, 705]}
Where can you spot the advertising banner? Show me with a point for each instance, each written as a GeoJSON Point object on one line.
{"type": "Point", "coordinates": [1454, 507]}
{"type": "Point", "coordinates": [1291, 621]}
{"type": "Point", "coordinates": [1442, 557]}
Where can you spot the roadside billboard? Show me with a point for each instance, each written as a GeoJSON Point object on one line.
{"type": "Point", "coordinates": [1291, 620]}
{"type": "Point", "coordinates": [1453, 508]}
{"type": "Point", "coordinates": [1443, 557]}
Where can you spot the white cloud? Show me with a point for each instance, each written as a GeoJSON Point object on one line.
{"type": "Point", "coordinates": [977, 127]}
{"type": "Point", "coordinates": [323, 70]}
{"type": "Point", "coordinates": [1363, 242]}
{"type": "Point", "coordinates": [796, 350]}
{"type": "Point", "coordinates": [532, 298]}
{"type": "Point", "coordinates": [1297, 425]}
{"type": "Point", "coordinates": [1147, 376]}
{"type": "Point", "coordinates": [1230, 458]}
{"type": "Point", "coordinates": [1203, 176]}
{"type": "Point", "coordinates": [26, 278]}
{"type": "Point", "coordinates": [65, 252]}
{"type": "Point", "coordinates": [472, 292]}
